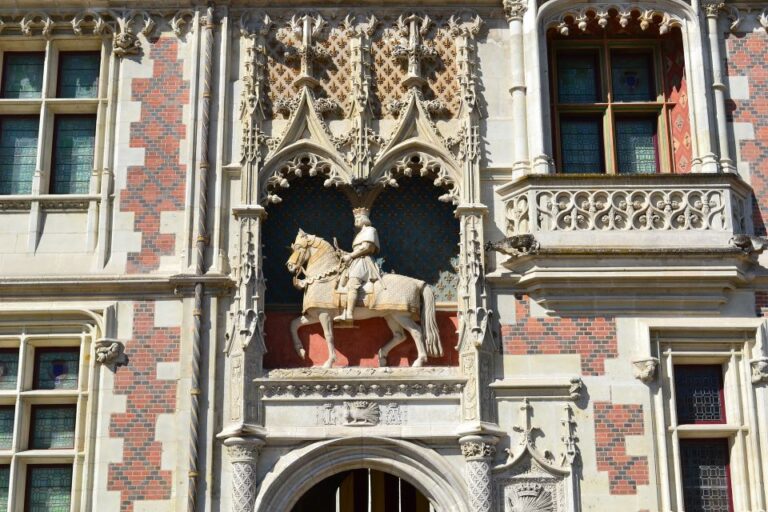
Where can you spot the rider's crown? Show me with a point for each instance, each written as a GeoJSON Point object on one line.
{"type": "Point", "coordinates": [361, 211]}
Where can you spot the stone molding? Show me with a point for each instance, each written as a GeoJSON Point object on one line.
{"type": "Point", "coordinates": [644, 14]}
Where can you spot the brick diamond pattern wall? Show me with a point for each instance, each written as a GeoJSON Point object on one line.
{"type": "Point", "coordinates": [139, 476]}
{"type": "Point", "coordinates": [747, 55]}
{"type": "Point", "coordinates": [159, 184]}
{"type": "Point", "coordinates": [613, 423]}
{"type": "Point", "coordinates": [593, 338]}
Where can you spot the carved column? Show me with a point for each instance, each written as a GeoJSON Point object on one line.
{"type": "Point", "coordinates": [712, 11]}
{"type": "Point", "coordinates": [515, 10]}
{"type": "Point", "coordinates": [243, 455]}
{"type": "Point", "coordinates": [479, 451]}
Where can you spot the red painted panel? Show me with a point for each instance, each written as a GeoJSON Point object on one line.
{"type": "Point", "coordinates": [354, 347]}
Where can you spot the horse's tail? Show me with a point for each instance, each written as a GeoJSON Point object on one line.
{"type": "Point", "coordinates": [429, 323]}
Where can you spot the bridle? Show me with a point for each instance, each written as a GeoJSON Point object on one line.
{"type": "Point", "coordinates": [300, 260]}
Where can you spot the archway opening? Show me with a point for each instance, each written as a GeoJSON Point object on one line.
{"type": "Point", "coordinates": [363, 490]}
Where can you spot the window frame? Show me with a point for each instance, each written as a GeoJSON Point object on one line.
{"type": "Point", "coordinates": [607, 108]}
{"type": "Point", "coordinates": [50, 105]}
{"type": "Point", "coordinates": [733, 343]}
{"type": "Point", "coordinates": [28, 339]}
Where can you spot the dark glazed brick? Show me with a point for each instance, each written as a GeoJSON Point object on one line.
{"type": "Point", "coordinates": [157, 186]}
{"type": "Point", "coordinates": [593, 338]}
{"type": "Point", "coordinates": [139, 477]}
{"type": "Point", "coordinates": [613, 423]}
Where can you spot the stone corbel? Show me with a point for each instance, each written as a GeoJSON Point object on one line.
{"type": "Point", "coordinates": [110, 353]}
{"type": "Point", "coordinates": [759, 367]}
{"type": "Point", "coordinates": [515, 246]}
{"type": "Point", "coordinates": [645, 369]}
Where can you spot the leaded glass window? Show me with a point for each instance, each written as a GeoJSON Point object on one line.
{"type": "Point", "coordinates": [5, 484]}
{"type": "Point", "coordinates": [18, 153]}
{"type": "Point", "coordinates": [581, 145]}
{"type": "Point", "coordinates": [73, 154]}
{"type": "Point", "coordinates": [23, 74]}
{"type": "Point", "coordinates": [7, 415]}
{"type": "Point", "coordinates": [632, 77]}
{"type": "Point", "coordinates": [53, 426]}
{"type": "Point", "coordinates": [706, 479]}
{"type": "Point", "coordinates": [9, 368]}
{"type": "Point", "coordinates": [699, 394]}
{"type": "Point", "coordinates": [577, 79]}
{"type": "Point", "coordinates": [49, 488]}
{"type": "Point", "coordinates": [607, 114]}
{"type": "Point", "coordinates": [78, 74]}
{"type": "Point", "coordinates": [636, 149]}
{"type": "Point", "coordinates": [56, 368]}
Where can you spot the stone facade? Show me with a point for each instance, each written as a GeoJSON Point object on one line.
{"type": "Point", "coordinates": [563, 312]}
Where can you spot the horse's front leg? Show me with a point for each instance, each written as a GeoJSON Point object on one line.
{"type": "Point", "coordinates": [326, 320]}
{"type": "Point", "coordinates": [295, 324]}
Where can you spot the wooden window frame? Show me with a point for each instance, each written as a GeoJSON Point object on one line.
{"type": "Point", "coordinates": [660, 108]}
{"type": "Point", "coordinates": [721, 392]}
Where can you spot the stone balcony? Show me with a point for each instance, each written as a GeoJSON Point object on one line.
{"type": "Point", "coordinates": [616, 240]}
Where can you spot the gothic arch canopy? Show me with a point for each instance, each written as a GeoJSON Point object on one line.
{"type": "Point", "coordinates": [300, 470]}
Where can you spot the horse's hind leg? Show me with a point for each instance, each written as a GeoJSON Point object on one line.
{"type": "Point", "coordinates": [326, 320]}
{"type": "Point", "coordinates": [415, 330]}
{"type": "Point", "coordinates": [398, 336]}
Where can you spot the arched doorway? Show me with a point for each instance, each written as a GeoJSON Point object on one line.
{"type": "Point", "coordinates": [363, 490]}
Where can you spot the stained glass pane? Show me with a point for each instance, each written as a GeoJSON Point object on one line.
{"type": "Point", "coordinates": [699, 394]}
{"type": "Point", "coordinates": [78, 75]}
{"type": "Point", "coordinates": [49, 488]}
{"type": "Point", "coordinates": [56, 369]}
{"type": "Point", "coordinates": [23, 75]}
{"type": "Point", "coordinates": [53, 427]}
{"type": "Point", "coordinates": [7, 413]}
{"type": "Point", "coordinates": [73, 154]}
{"type": "Point", "coordinates": [581, 145]}
{"type": "Point", "coordinates": [631, 77]}
{"type": "Point", "coordinates": [9, 368]}
{"type": "Point", "coordinates": [5, 482]}
{"type": "Point", "coordinates": [636, 145]}
{"type": "Point", "coordinates": [577, 78]}
{"type": "Point", "coordinates": [705, 475]}
{"type": "Point", "coordinates": [18, 153]}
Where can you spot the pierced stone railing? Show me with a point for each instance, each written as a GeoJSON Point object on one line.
{"type": "Point", "coordinates": [650, 210]}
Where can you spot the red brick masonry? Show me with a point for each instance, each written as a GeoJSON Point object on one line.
{"type": "Point", "coordinates": [613, 423]}
{"type": "Point", "coordinates": [158, 185]}
{"type": "Point", "coordinates": [139, 477]}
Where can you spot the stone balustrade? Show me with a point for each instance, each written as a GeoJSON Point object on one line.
{"type": "Point", "coordinates": [661, 210]}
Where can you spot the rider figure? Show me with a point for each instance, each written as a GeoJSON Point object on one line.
{"type": "Point", "coordinates": [359, 267]}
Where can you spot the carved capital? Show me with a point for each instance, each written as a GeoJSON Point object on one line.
{"type": "Point", "coordinates": [712, 9]}
{"type": "Point", "coordinates": [645, 369]}
{"type": "Point", "coordinates": [110, 353]}
{"type": "Point", "coordinates": [244, 453]}
{"type": "Point", "coordinates": [759, 370]}
{"type": "Point", "coordinates": [515, 9]}
{"type": "Point", "coordinates": [243, 449]}
{"type": "Point", "coordinates": [478, 447]}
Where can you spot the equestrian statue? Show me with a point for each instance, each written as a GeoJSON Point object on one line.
{"type": "Point", "coordinates": [344, 286]}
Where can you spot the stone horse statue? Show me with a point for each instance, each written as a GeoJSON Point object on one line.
{"type": "Point", "coordinates": [397, 299]}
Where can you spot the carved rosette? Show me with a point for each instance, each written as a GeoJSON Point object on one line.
{"type": "Point", "coordinates": [244, 454]}
{"type": "Point", "coordinates": [479, 452]}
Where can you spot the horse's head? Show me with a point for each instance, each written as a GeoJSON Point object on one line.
{"type": "Point", "coordinates": [301, 252]}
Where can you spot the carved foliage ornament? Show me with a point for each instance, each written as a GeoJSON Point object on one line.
{"type": "Point", "coordinates": [478, 450]}
{"type": "Point", "coordinates": [582, 19]}
{"type": "Point", "coordinates": [645, 369]}
{"type": "Point", "coordinates": [742, 18]}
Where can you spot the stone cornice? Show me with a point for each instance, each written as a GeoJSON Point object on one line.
{"type": "Point", "coordinates": [106, 286]}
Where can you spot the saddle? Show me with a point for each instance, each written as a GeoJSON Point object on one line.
{"type": "Point", "coordinates": [366, 296]}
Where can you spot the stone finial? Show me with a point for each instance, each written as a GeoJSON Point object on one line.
{"type": "Point", "coordinates": [645, 369]}
{"type": "Point", "coordinates": [110, 353]}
